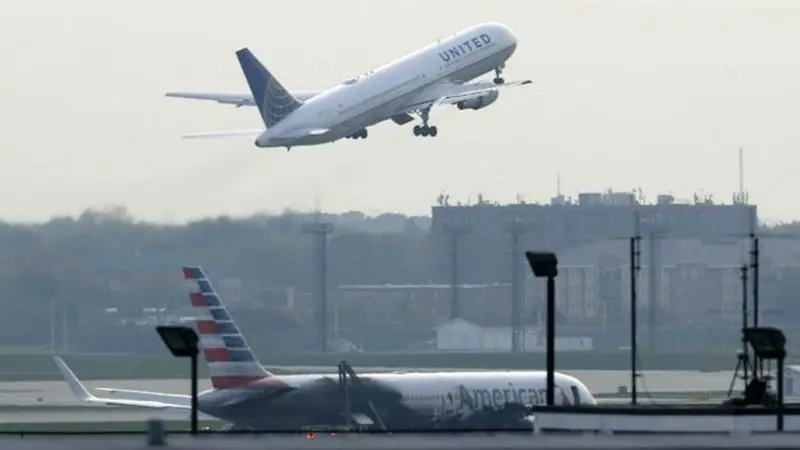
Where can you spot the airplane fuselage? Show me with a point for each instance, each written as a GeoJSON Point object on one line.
{"type": "Point", "coordinates": [247, 396]}
{"type": "Point", "coordinates": [376, 96]}
{"type": "Point", "coordinates": [303, 399]}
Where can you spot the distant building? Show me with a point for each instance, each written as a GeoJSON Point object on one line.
{"type": "Point", "coordinates": [697, 247]}
{"type": "Point", "coordinates": [695, 280]}
{"type": "Point", "coordinates": [461, 335]}
{"type": "Point", "coordinates": [565, 223]}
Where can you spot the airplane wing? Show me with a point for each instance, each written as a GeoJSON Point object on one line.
{"type": "Point", "coordinates": [168, 401]}
{"type": "Point", "coordinates": [237, 100]}
{"type": "Point", "coordinates": [130, 394]}
{"type": "Point", "coordinates": [448, 93]}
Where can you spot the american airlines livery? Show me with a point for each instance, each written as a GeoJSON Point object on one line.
{"type": "Point", "coordinates": [437, 74]}
{"type": "Point", "coordinates": [248, 397]}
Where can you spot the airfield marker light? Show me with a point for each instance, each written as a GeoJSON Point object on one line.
{"type": "Point", "coordinates": [182, 343]}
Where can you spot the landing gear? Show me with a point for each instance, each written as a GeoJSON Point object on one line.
{"type": "Point", "coordinates": [288, 148]}
{"type": "Point", "coordinates": [497, 72]}
{"type": "Point", "coordinates": [425, 130]}
{"type": "Point", "coordinates": [360, 134]}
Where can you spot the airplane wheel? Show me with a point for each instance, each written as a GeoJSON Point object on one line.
{"type": "Point", "coordinates": [499, 80]}
{"type": "Point", "coordinates": [425, 131]}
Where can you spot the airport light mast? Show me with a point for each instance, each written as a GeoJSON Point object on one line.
{"type": "Point", "coordinates": [516, 227]}
{"type": "Point", "coordinates": [455, 227]}
{"type": "Point", "coordinates": [320, 230]}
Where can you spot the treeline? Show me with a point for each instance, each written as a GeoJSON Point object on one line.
{"type": "Point", "coordinates": [106, 258]}
{"type": "Point", "coordinates": [72, 268]}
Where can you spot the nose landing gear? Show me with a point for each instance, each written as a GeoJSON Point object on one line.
{"type": "Point", "coordinates": [497, 78]}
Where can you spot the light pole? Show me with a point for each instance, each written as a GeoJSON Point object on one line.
{"type": "Point", "coordinates": [545, 265]}
{"type": "Point", "coordinates": [182, 342]}
{"type": "Point", "coordinates": [455, 229]}
{"type": "Point", "coordinates": [320, 231]}
{"type": "Point", "coordinates": [516, 227]}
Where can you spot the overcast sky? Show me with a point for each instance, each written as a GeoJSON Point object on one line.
{"type": "Point", "coordinates": [626, 94]}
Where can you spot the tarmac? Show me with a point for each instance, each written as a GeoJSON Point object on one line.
{"type": "Point", "coordinates": [417, 441]}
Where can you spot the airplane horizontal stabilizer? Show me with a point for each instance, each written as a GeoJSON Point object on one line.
{"type": "Point", "coordinates": [80, 391]}
{"type": "Point", "coordinates": [235, 99]}
{"type": "Point", "coordinates": [225, 99]}
{"type": "Point", "coordinates": [223, 134]}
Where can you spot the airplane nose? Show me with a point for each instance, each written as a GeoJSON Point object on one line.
{"type": "Point", "coordinates": [506, 32]}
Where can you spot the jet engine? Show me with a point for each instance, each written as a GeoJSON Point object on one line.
{"type": "Point", "coordinates": [480, 102]}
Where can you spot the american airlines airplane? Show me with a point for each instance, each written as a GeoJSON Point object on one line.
{"type": "Point", "coordinates": [437, 74]}
{"type": "Point", "coordinates": [248, 397]}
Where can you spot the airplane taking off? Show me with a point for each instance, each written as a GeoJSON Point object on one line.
{"type": "Point", "coordinates": [435, 75]}
{"type": "Point", "coordinates": [248, 397]}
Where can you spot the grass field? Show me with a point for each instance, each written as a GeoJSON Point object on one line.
{"type": "Point", "coordinates": [94, 427]}
{"type": "Point", "coordinates": [40, 367]}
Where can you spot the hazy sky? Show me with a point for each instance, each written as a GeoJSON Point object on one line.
{"type": "Point", "coordinates": [626, 94]}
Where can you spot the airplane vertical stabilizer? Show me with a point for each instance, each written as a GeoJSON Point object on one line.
{"type": "Point", "coordinates": [230, 360]}
{"type": "Point", "coordinates": [274, 101]}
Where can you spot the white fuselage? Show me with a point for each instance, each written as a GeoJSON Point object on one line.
{"type": "Point", "coordinates": [431, 394]}
{"type": "Point", "coordinates": [444, 392]}
{"type": "Point", "coordinates": [379, 94]}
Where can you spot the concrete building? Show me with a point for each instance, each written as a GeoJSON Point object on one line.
{"type": "Point", "coordinates": [461, 335]}
{"type": "Point", "coordinates": [695, 280]}
{"type": "Point", "coordinates": [589, 233]}
{"type": "Point", "coordinates": [485, 227]}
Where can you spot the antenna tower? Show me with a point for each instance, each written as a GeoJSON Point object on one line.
{"type": "Point", "coordinates": [558, 183]}
{"type": "Point", "coordinates": [317, 214]}
{"type": "Point", "coordinates": [742, 195]}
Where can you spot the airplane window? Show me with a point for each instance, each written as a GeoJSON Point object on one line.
{"type": "Point", "coordinates": [576, 394]}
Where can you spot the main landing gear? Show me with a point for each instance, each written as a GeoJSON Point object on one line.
{"type": "Point", "coordinates": [425, 130]}
{"type": "Point", "coordinates": [497, 72]}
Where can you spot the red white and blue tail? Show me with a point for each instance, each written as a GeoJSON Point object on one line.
{"type": "Point", "coordinates": [231, 362]}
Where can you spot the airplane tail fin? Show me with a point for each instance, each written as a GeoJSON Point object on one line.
{"type": "Point", "coordinates": [231, 362]}
{"type": "Point", "coordinates": [274, 101]}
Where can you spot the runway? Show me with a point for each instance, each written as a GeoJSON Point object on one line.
{"type": "Point", "coordinates": [90, 414]}
{"type": "Point", "coordinates": [54, 394]}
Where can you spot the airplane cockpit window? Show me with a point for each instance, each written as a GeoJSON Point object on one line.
{"type": "Point", "coordinates": [576, 395]}
{"type": "Point", "coordinates": [582, 394]}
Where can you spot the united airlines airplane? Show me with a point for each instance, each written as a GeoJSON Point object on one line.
{"type": "Point", "coordinates": [438, 74]}
{"type": "Point", "coordinates": [248, 397]}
